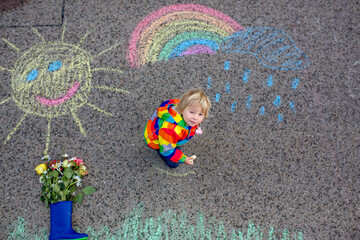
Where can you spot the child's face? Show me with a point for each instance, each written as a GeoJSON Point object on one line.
{"type": "Point", "coordinates": [193, 115]}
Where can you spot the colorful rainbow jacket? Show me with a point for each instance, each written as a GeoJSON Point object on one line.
{"type": "Point", "coordinates": [166, 129]}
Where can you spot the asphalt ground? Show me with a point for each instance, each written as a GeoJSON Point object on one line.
{"type": "Point", "coordinates": [293, 166]}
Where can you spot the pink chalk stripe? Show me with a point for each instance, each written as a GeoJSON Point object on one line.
{"type": "Point", "coordinates": [132, 51]}
{"type": "Point", "coordinates": [54, 102]}
{"type": "Point", "coordinates": [197, 49]}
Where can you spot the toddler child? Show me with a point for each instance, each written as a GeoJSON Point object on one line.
{"type": "Point", "coordinates": [174, 123]}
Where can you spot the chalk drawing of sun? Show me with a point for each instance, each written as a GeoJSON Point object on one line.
{"type": "Point", "coordinates": [52, 79]}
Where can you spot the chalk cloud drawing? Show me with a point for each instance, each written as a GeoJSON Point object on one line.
{"type": "Point", "coordinates": [52, 79]}
{"type": "Point", "coordinates": [189, 29]}
{"type": "Point", "coordinates": [272, 47]}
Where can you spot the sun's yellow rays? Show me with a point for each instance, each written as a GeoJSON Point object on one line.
{"type": "Point", "coordinates": [110, 48]}
{"type": "Point", "coordinates": [5, 69]}
{"type": "Point", "coordinates": [37, 33]}
{"type": "Point", "coordinates": [15, 128]}
{"type": "Point", "coordinates": [54, 74]}
{"type": "Point", "coordinates": [77, 120]}
{"type": "Point", "coordinates": [83, 38]}
{"type": "Point", "coordinates": [112, 89]}
{"type": "Point", "coordinates": [107, 69]}
{"type": "Point", "coordinates": [12, 45]}
{"type": "Point", "coordinates": [63, 32]}
{"type": "Point", "coordinates": [47, 137]}
{"type": "Point", "coordinates": [99, 109]}
{"type": "Point", "coordinates": [5, 100]}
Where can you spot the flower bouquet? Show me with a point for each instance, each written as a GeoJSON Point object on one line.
{"type": "Point", "coordinates": [60, 179]}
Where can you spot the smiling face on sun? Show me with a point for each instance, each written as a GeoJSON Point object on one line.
{"type": "Point", "coordinates": [51, 79]}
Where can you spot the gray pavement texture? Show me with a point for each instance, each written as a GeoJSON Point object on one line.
{"type": "Point", "coordinates": [299, 172]}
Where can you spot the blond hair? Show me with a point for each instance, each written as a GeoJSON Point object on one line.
{"type": "Point", "coordinates": [194, 97]}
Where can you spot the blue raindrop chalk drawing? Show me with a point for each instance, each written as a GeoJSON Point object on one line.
{"type": "Point", "coordinates": [270, 81]}
{"type": "Point", "coordinates": [248, 102]}
{"type": "Point", "coordinates": [262, 110]}
{"type": "Point", "coordinates": [272, 47]}
{"type": "Point", "coordinates": [280, 117]}
{"type": "Point", "coordinates": [292, 106]}
{"type": "Point", "coordinates": [246, 75]}
{"type": "Point", "coordinates": [209, 83]}
{"type": "Point", "coordinates": [217, 97]}
{"type": "Point", "coordinates": [233, 106]}
{"type": "Point", "coordinates": [295, 83]}
{"type": "Point", "coordinates": [227, 87]}
{"type": "Point", "coordinates": [277, 101]}
{"type": "Point", "coordinates": [227, 65]}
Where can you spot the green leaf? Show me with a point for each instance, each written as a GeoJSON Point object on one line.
{"type": "Point", "coordinates": [54, 174]}
{"type": "Point", "coordinates": [68, 173]}
{"type": "Point", "coordinates": [88, 190]}
{"type": "Point", "coordinates": [66, 183]}
{"type": "Point", "coordinates": [43, 189]}
{"type": "Point", "coordinates": [72, 188]}
{"type": "Point", "coordinates": [79, 198]}
{"type": "Point", "coordinates": [56, 188]}
{"type": "Point", "coordinates": [62, 186]}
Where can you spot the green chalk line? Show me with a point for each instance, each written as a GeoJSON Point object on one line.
{"type": "Point", "coordinates": [168, 225]}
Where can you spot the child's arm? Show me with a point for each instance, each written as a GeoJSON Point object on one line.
{"type": "Point", "coordinates": [190, 160]}
{"type": "Point", "coordinates": [167, 143]}
{"type": "Point", "coordinates": [198, 130]}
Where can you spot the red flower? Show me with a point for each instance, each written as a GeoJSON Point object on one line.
{"type": "Point", "coordinates": [78, 161]}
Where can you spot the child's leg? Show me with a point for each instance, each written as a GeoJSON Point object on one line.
{"type": "Point", "coordinates": [169, 162]}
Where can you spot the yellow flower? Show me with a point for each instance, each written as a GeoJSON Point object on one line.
{"type": "Point", "coordinates": [41, 168]}
{"type": "Point", "coordinates": [66, 164]}
{"type": "Point", "coordinates": [82, 170]}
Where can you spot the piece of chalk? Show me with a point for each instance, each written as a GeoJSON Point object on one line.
{"type": "Point", "coordinates": [193, 157]}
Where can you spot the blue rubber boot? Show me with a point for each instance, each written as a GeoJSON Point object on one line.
{"type": "Point", "coordinates": [61, 222]}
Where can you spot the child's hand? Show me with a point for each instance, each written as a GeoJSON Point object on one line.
{"type": "Point", "coordinates": [198, 130]}
{"type": "Point", "coordinates": [190, 160]}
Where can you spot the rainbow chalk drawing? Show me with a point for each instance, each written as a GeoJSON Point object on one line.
{"type": "Point", "coordinates": [189, 29]}
{"type": "Point", "coordinates": [179, 30]}
{"type": "Point", "coordinates": [273, 48]}
{"type": "Point", "coordinates": [52, 79]}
